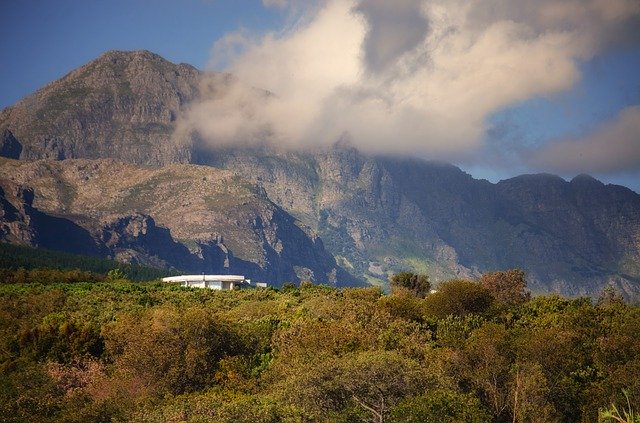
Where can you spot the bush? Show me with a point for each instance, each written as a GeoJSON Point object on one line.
{"type": "Point", "coordinates": [439, 407]}
{"type": "Point", "coordinates": [410, 283]}
{"type": "Point", "coordinates": [507, 287]}
{"type": "Point", "coordinates": [458, 298]}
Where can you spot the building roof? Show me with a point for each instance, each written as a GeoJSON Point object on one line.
{"type": "Point", "coordinates": [206, 278]}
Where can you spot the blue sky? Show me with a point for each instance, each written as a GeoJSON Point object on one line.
{"type": "Point", "coordinates": [609, 83]}
{"type": "Point", "coordinates": [42, 40]}
{"type": "Point", "coordinates": [435, 108]}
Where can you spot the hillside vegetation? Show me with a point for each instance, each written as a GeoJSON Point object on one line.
{"type": "Point", "coordinates": [16, 257]}
{"type": "Point", "coordinates": [474, 351]}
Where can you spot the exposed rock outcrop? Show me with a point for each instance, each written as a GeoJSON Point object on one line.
{"type": "Point", "coordinates": [187, 217]}
{"type": "Point", "coordinates": [381, 215]}
{"type": "Point", "coordinates": [10, 147]}
{"type": "Point", "coordinates": [122, 105]}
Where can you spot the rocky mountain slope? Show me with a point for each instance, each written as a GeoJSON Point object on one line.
{"type": "Point", "coordinates": [381, 215]}
{"type": "Point", "coordinates": [262, 207]}
{"type": "Point", "coordinates": [191, 218]}
{"type": "Point", "coordinates": [122, 105]}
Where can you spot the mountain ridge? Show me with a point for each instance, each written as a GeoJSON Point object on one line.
{"type": "Point", "coordinates": [375, 215]}
{"type": "Point", "coordinates": [112, 204]}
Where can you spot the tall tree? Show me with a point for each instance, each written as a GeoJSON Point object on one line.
{"type": "Point", "coordinates": [458, 298]}
{"type": "Point", "coordinates": [412, 283]}
{"type": "Point", "coordinates": [508, 287]}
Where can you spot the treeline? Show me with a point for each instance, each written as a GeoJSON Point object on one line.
{"type": "Point", "coordinates": [47, 276]}
{"type": "Point", "coordinates": [14, 257]}
{"type": "Point", "coordinates": [472, 351]}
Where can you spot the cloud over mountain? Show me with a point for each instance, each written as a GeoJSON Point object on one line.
{"type": "Point", "coordinates": [613, 147]}
{"type": "Point", "coordinates": [411, 77]}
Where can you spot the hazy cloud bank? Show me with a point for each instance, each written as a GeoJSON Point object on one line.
{"type": "Point", "coordinates": [409, 76]}
{"type": "Point", "coordinates": [613, 147]}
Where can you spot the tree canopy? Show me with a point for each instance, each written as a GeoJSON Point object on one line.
{"type": "Point", "coordinates": [121, 351]}
{"type": "Point", "coordinates": [507, 287]}
{"type": "Point", "coordinates": [412, 283]}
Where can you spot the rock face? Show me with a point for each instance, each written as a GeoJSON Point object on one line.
{"type": "Point", "coordinates": [576, 234]}
{"type": "Point", "coordinates": [270, 213]}
{"type": "Point", "coordinates": [187, 217]}
{"type": "Point", "coordinates": [10, 146]}
{"type": "Point", "coordinates": [382, 215]}
{"type": "Point", "coordinates": [21, 223]}
{"type": "Point", "coordinates": [122, 105]}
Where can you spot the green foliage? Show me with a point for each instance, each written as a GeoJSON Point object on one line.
{"type": "Point", "coordinates": [288, 287]}
{"type": "Point", "coordinates": [453, 331]}
{"type": "Point", "coordinates": [14, 257]}
{"type": "Point", "coordinates": [405, 307]}
{"type": "Point", "coordinates": [440, 406]}
{"type": "Point", "coordinates": [610, 296]}
{"type": "Point", "coordinates": [122, 351]}
{"type": "Point", "coordinates": [116, 274]}
{"type": "Point", "coordinates": [458, 298]}
{"type": "Point", "coordinates": [367, 384]}
{"type": "Point", "coordinates": [507, 287]}
{"type": "Point", "coordinates": [612, 414]}
{"type": "Point", "coordinates": [60, 338]}
{"type": "Point", "coordinates": [46, 276]}
{"type": "Point", "coordinates": [412, 283]}
{"type": "Point", "coordinates": [172, 351]}
{"type": "Point", "coordinates": [27, 392]}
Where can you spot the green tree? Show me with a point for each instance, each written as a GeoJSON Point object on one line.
{"type": "Point", "coordinates": [378, 381]}
{"type": "Point", "coordinates": [613, 415]}
{"type": "Point", "coordinates": [60, 338]}
{"type": "Point", "coordinates": [404, 307]}
{"type": "Point", "coordinates": [458, 298]}
{"type": "Point", "coordinates": [27, 393]}
{"type": "Point", "coordinates": [412, 283]}
{"type": "Point", "coordinates": [116, 274]}
{"type": "Point", "coordinates": [486, 363]}
{"type": "Point", "coordinates": [360, 386]}
{"type": "Point", "coordinates": [507, 287]}
{"type": "Point", "coordinates": [439, 406]}
{"type": "Point", "coordinates": [610, 296]}
{"type": "Point", "coordinates": [170, 351]}
{"type": "Point", "coordinates": [529, 394]}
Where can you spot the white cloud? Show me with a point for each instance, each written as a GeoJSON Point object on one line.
{"type": "Point", "coordinates": [419, 77]}
{"type": "Point", "coordinates": [613, 147]}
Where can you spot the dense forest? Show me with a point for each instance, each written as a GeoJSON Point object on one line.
{"type": "Point", "coordinates": [14, 257]}
{"type": "Point", "coordinates": [470, 351]}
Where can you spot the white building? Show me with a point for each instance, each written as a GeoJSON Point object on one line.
{"type": "Point", "coordinates": [218, 282]}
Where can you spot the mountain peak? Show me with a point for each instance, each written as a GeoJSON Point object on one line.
{"type": "Point", "coordinates": [377, 214]}
{"type": "Point", "coordinates": [135, 56]}
{"type": "Point", "coordinates": [122, 105]}
{"type": "Point", "coordinates": [584, 179]}
{"type": "Point", "coordinates": [130, 54]}
{"type": "Point", "coordinates": [534, 179]}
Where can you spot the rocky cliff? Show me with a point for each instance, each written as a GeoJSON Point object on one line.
{"type": "Point", "coordinates": [272, 212]}
{"type": "Point", "coordinates": [379, 215]}
{"type": "Point", "coordinates": [191, 218]}
{"type": "Point", "coordinates": [122, 105]}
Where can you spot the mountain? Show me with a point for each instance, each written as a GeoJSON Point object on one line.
{"type": "Point", "coordinates": [191, 218]}
{"type": "Point", "coordinates": [331, 214]}
{"type": "Point", "coordinates": [122, 105]}
{"type": "Point", "coordinates": [380, 215]}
